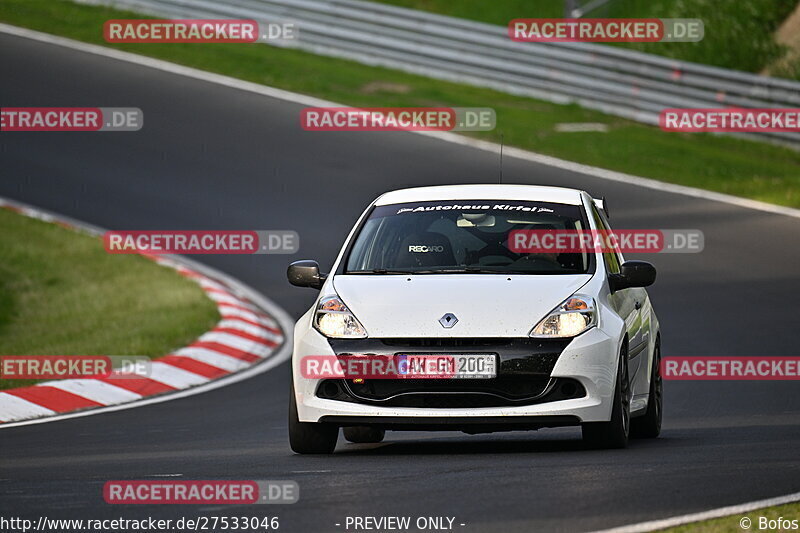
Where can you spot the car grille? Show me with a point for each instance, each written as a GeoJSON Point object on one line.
{"type": "Point", "coordinates": [452, 393]}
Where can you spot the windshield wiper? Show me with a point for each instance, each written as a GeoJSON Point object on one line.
{"type": "Point", "coordinates": [380, 271]}
{"type": "Point", "coordinates": [460, 270]}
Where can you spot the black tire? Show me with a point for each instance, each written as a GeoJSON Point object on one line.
{"type": "Point", "coordinates": [615, 432]}
{"type": "Point", "coordinates": [649, 425]}
{"type": "Point", "coordinates": [363, 434]}
{"type": "Point", "coordinates": [309, 437]}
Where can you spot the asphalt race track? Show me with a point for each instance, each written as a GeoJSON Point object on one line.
{"type": "Point", "coordinates": [211, 157]}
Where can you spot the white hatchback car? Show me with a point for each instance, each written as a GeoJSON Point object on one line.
{"type": "Point", "coordinates": [544, 340]}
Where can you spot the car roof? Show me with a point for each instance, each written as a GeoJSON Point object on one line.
{"type": "Point", "coordinates": [535, 193]}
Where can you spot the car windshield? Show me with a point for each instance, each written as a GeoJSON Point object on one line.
{"type": "Point", "coordinates": [467, 236]}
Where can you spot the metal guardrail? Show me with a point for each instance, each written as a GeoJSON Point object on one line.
{"type": "Point", "coordinates": [613, 80]}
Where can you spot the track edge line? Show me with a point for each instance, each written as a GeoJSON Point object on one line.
{"type": "Point", "coordinates": [518, 153]}
{"type": "Point", "coordinates": [721, 512]}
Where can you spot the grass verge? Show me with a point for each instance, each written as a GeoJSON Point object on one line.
{"type": "Point", "coordinates": [734, 524]}
{"type": "Point", "coordinates": [739, 34]}
{"type": "Point", "coordinates": [725, 164]}
{"type": "Point", "coordinates": [62, 294]}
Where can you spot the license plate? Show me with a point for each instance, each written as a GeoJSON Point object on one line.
{"type": "Point", "coordinates": [453, 366]}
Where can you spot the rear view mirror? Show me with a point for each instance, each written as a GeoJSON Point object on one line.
{"type": "Point", "coordinates": [305, 273]}
{"type": "Point", "coordinates": [633, 274]}
{"type": "Point", "coordinates": [473, 220]}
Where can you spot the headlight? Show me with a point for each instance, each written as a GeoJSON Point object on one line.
{"type": "Point", "coordinates": [334, 319]}
{"type": "Point", "coordinates": [574, 315]}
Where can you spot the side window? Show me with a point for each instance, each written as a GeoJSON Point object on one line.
{"type": "Point", "coordinates": [611, 259]}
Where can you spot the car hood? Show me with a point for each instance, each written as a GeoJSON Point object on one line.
{"type": "Point", "coordinates": [486, 305]}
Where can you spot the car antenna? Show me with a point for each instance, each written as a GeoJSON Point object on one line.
{"type": "Point", "coordinates": [501, 159]}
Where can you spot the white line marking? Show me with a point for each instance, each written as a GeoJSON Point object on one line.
{"type": "Point", "coordinates": [281, 356]}
{"type": "Point", "coordinates": [255, 348]}
{"type": "Point", "coordinates": [210, 357]}
{"type": "Point", "coordinates": [243, 305]}
{"type": "Point", "coordinates": [612, 175]}
{"type": "Point", "coordinates": [174, 376]}
{"type": "Point", "coordinates": [705, 515]}
{"type": "Point", "coordinates": [209, 284]}
{"type": "Point", "coordinates": [95, 390]}
{"type": "Point", "coordinates": [228, 312]}
{"type": "Point", "coordinates": [443, 136]}
{"type": "Point", "coordinates": [15, 408]}
{"type": "Point", "coordinates": [246, 327]}
{"type": "Point", "coordinates": [229, 298]}
{"type": "Point", "coordinates": [265, 336]}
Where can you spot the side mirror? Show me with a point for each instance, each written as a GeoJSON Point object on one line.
{"type": "Point", "coordinates": [633, 274]}
{"type": "Point", "coordinates": [305, 273]}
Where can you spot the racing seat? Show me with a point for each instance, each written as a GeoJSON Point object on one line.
{"type": "Point", "coordinates": [425, 249]}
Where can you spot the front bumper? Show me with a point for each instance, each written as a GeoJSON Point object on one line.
{"type": "Point", "coordinates": [589, 359]}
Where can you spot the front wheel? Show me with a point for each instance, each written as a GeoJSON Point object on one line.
{"type": "Point", "coordinates": [615, 432]}
{"type": "Point", "coordinates": [309, 437]}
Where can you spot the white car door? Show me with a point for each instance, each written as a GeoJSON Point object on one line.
{"type": "Point", "coordinates": [628, 303]}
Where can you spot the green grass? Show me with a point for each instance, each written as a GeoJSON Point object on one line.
{"type": "Point", "coordinates": [725, 164]}
{"type": "Point", "coordinates": [739, 34]}
{"type": "Point", "coordinates": [62, 294]}
{"type": "Point", "coordinates": [731, 524]}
